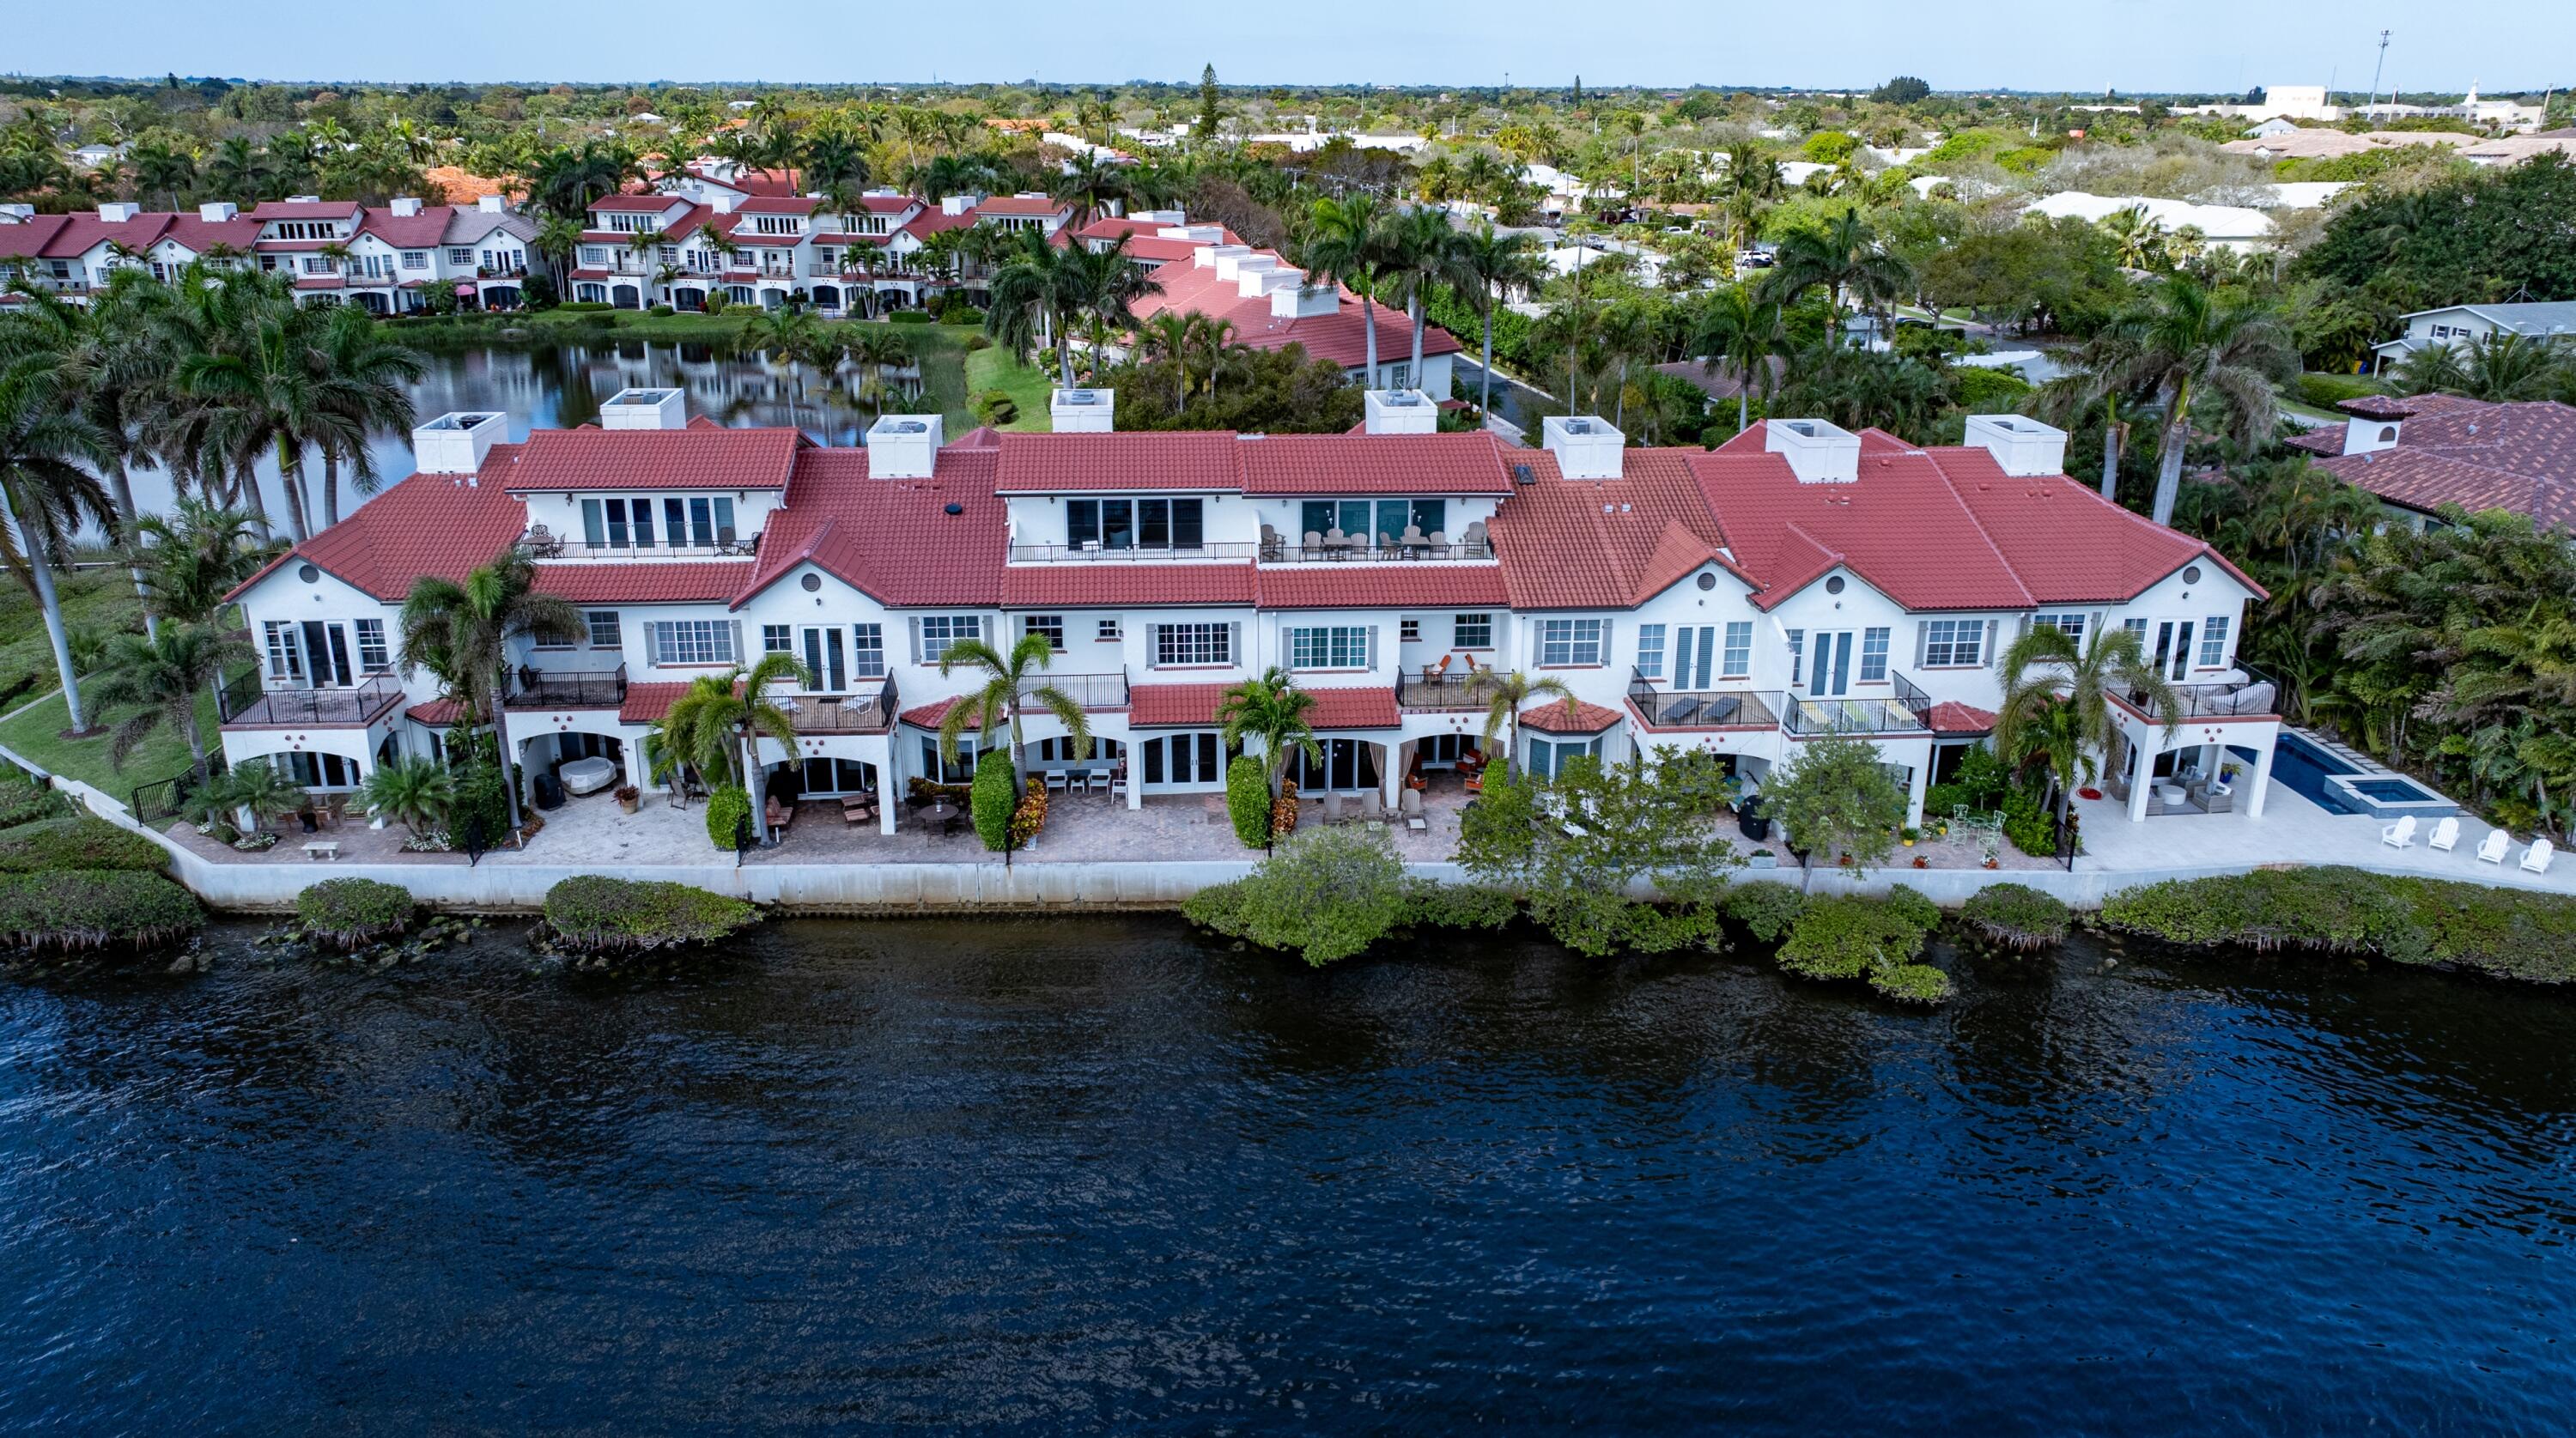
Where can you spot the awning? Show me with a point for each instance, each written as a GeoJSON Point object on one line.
{"type": "Point", "coordinates": [465, 291]}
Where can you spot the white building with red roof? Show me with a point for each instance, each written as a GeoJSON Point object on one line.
{"type": "Point", "coordinates": [1799, 581]}
{"type": "Point", "coordinates": [1272, 304]}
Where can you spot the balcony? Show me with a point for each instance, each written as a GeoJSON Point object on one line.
{"type": "Point", "coordinates": [542, 543]}
{"type": "Point", "coordinates": [1703, 708]}
{"type": "Point", "coordinates": [1093, 553]}
{"type": "Point", "coordinates": [2243, 693]}
{"type": "Point", "coordinates": [869, 708]}
{"type": "Point", "coordinates": [1091, 691]}
{"type": "Point", "coordinates": [1355, 551]}
{"type": "Point", "coordinates": [1910, 712]}
{"type": "Point", "coordinates": [534, 688]}
{"type": "Point", "coordinates": [246, 706]}
{"type": "Point", "coordinates": [1441, 692]}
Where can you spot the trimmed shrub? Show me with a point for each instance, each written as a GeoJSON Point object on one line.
{"type": "Point", "coordinates": [2325, 391]}
{"type": "Point", "coordinates": [353, 913]}
{"type": "Point", "coordinates": [2016, 916]}
{"type": "Point", "coordinates": [990, 800]}
{"type": "Point", "coordinates": [71, 910]}
{"type": "Point", "coordinates": [85, 842]}
{"type": "Point", "coordinates": [727, 809]}
{"type": "Point", "coordinates": [909, 317]}
{"type": "Point", "coordinates": [1850, 937]}
{"type": "Point", "coordinates": [599, 915]}
{"type": "Point", "coordinates": [2512, 933]}
{"type": "Point", "coordinates": [957, 312]}
{"type": "Point", "coordinates": [1765, 910]}
{"type": "Point", "coordinates": [27, 803]}
{"type": "Point", "coordinates": [996, 407]}
{"type": "Point", "coordinates": [978, 342]}
{"type": "Point", "coordinates": [1247, 800]}
{"type": "Point", "coordinates": [1029, 817]}
{"type": "Point", "coordinates": [1324, 895]}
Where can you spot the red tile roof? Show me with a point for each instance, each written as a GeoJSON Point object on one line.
{"type": "Point", "coordinates": [645, 582]}
{"type": "Point", "coordinates": [1600, 544]}
{"type": "Point", "coordinates": [698, 457]}
{"type": "Point", "coordinates": [1555, 718]}
{"type": "Point", "coordinates": [647, 703]}
{"type": "Point", "coordinates": [2325, 439]}
{"type": "Point", "coordinates": [2062, 540]}
{"type": "Point", "coordinates": [2380, 406]}
{"type": "Point", "coordinates": [427, 524]}
{"type": "Point", "coordinates": [1035, 206]}
{"type": "Point", "coordinates": [1110, 585]}
{"type": "Point", "coordinates": [1194, 706]}
{"type": "Point", "coordinates": [778, 205]}
{"type": "Point", "coordinates": [1374, 464]}
{"type": "Point", "coordinates": [889, 204]}
{"type": "Point", "coordinates": [927, 716]}
{"type": "Point", "coordinates": [1384, 586]}
{"type": "Point", "coordinates": [1341, 336]}
{"type": "Point", "coordinates": [2424, 481]}
{"type": "Point", "coordinates": [437, 713]}
{"type": "Point", "coordinates": [752, 181]}
{"type": "Point", "coordinates": [1952, 717]}
{"type": "Point", "coordinates": [1202, 461]}
{"type": "Point", "coordinates": [2519, 457]}
{"type": "Point", "coordinates": [1354, 709]}
{"type": "Point", "coordinates": [409, 232]}
{"type": "Point", "coordinates": [892, 539]}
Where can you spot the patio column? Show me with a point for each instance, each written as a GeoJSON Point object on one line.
{"type": "Point", "coordinates": [1918, 782]}
{"type": "Point", "coordinates": [1391, 773]}
{"type": "Point", "coordinates": [2143, 757]}
{"type": "Point", "coordinates": [1135, 780]}
{"type": "Point", "coordinates": [2261, 779]}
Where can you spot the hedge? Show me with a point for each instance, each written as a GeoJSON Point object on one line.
{"type": "Point", "coordinates": [1874, 939]}
{"type": "Point", "coordinates": [597, 914]}
{"type": "Point", "coordinates": [2325, 391]}
{"type": "Point", "coordinates": [910, 317]}
{"type": "Point", "coordinates": [727, 808]}
{"type": "Point", "coordinates": [2016, 916]}
{"type": "Point", "coordinates": [990, 800]}
{"type": "Point", "coordinates": [2512, 933]}
{"type": "Point", "coordinates": [1247, 800]}
{"type": "Point", "coordinates": [84, 842]}
{"type": "Point", "coordinates": [1766, 910]}
{"type": "Point", "coordinates": [69, 910]}
{"type": "Point", "coordinates": [353, 913]}
{"type": "Point", "coordinates": [27, 803]}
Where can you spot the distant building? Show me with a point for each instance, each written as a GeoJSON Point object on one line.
{"type": "Point", "coordinates": [2464, 325]}
{"type": "Point", "coordinates": [2232, 227]}
{"type": "Point", "coordinates": [2421, 452]}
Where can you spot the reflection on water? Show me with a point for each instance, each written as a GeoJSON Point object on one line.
{"type": "Point", "coordinates": [562, 386]}
{"type": "Point", "coordinates": [1103, 1175]}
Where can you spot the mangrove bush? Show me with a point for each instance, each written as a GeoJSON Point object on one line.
{"type": "Point", "coordinates": [2513, 933]}
{"type": "Point", "coordinates": [596, 914]}
{"type": "Point", "coordinates": [349, 914]}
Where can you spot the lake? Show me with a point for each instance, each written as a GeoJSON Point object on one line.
{"type": "Point", "coordinates": [1101, 1174]}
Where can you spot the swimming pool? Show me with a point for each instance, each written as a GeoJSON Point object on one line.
{"type": "Point", "coordinates": [2339, 786]}
{"type": "Point", "coordinates": [2304, 768]}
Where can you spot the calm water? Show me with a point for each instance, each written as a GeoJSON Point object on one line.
{"type": "Point", "coordinates": [1101, 1175]}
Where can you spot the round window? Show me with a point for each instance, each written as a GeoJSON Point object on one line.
{"type": "Point", "coordinates": [1707, 581]}
{"type": "Point", "coordinates": [308, 574]}
{"type": "Point", "coordinates": [812, 583]}
{"type": "Point", "coordinates": [2191, 574]}
{"type": "Point", "coordinates": [1834, 585]}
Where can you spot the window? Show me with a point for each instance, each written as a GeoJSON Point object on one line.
{"type": "Point", "coordinates": [1108, 632]}
{"type": "Point", "coordinates": [1737, 661]}
{"type": "Point", "coordinates": [374, 657]}
{"type": "Point", "coordinates": [1952, 643]}
{"type": "Point", "coordinates": [1409, 630]}
{"type": "Point", "coordinates": [1547, 756]}
{"type": "Point", "coordinates": [704, 521]}
{"type": "Point", "coordinates": [1050, 625]}
{"type": "Point", "coordinates": [285, 652]}
{"type": "Point", "coordinates": [617, 523]}
{"type": "Point", "coordinates": [777, 639]}
{"type": "Point", "coordinates": [460, 254]}
{"type": "Point", "coordinates": [602, 625]}
{"type": "Point", "coordinates": [1339, 646]}
{"type": "Point", "coordinates": [940, 772]}
{"type": "Point", "coordinates": [867, 651]}
{"type": "Point", "coordinates": [690, 641]}
{"type": "Point", "coordinates": [2213, 641]}
{"type": "Point", "coordinates": [935, 632]}
{"type": "Point", "coordinates": [1797, 653]}
{"type": "Point", "coordinates": [1472, 631]}
{"type": "Point", "coordinates": [594, 255]}
{"type": "Point", "coordinates": [1650, 650]}
{"type": "Point", "coordinates": [415, 259]}
{"type": "Point", "coordinates": [1873, 656]}
{"type": "Point", "coordinates": [1134, 523]}
{"type": "Point", "coordinates": [2070, 624]}
{"type": "Point", "coordinates": [1374, 520]}
{"type": "Point", "coordinates": [1568, 641]}
{"type": "Point", "coordinates": [1187, 644]}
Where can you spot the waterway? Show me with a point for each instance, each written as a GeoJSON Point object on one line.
{"type": "Point", "coordinates": [1103, 1175]}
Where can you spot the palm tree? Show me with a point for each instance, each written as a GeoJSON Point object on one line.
{"type": "Point", "coordinates": [792, 336]}
{"type": "Point", "coordinates": [558, 237]}
{"type": "Point", "coordinates": [45, 494]}
{"type": "Point", "coordinates": [710, 725]}
{"type": "Point", "coordinates": [162, 677]}
{"type": "Point", "coordinates": [1740, 334]}
{"type": "Point", "coordinates": [2137, 240]}
{"type": "Point", "coordinates": [1496, 264]}
{"type": "Point", "coordinates": [415, 792]}
{"type": "Point", "coordinates": [640, 244]}
{"type": "Point", "coordinates": [1847, 259]}
{"type": "Point", "coordinates": [192, 557]}
{"type": "Point", "coordinates": [1010, 685]}
{"type": "Point", "coordinates": [1272, 710]}
{"type": "Point", "coordinates": [1045, 291]}
{"type": "Point", "coordinates": [1422, 251]}
{"type": "Point", "coordinates": [1752, 178]}
{"type": "Point", "coordinates": [462, 633]}
{"type": "Point", "coordinates": [1090, 185]}
{"type": "Point", "coordinates": [1345, 244]}
{"type": "Point", "coordinates": [1504, 692]}
{"type": "Point", "coordinates": [2503, 367]}
{"type": "Point", "coordinates": [1627, 332]}
{"type": "Point", "coordinates": [366, 380]}
{"type": "Point", "coordinates": [1171, 335]}
{"type": "Point", "coordinates": [2185, 344]}
{"type": "Point", "coordinates": [262, 391]}
{"type": "Point", "coordinates": [2043, 671]}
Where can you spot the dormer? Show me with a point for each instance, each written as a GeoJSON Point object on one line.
{"type": "Point", "coordinates": [1585, 446]}
{"type": "Point", "coordinates": [2374, 422]}
{"type": "Point", "coordinates": [1818, 452]}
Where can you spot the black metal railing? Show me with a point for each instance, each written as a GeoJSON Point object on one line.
{"type": "Point", "coordinates": [238, 694]}
{"type": "Point", "coordinates": [1440, 691]}
{"type": "Point", "coordinates": [1091, 691]}
{"type": "Point", "coordinates": [162, 800]}
{"type": "Point", "coordinates": [534, 688]}
{"type": "Point", "coordinates": [331, 708]}
{"type": "Point", "coordinates": [2257, 694]}
{"type": "Point", "coordinates": [1703, 708]}
{"type": "Point", "coordinates": [869, 708]}
{"type": "Point", "coordinates": [540, 545]}
{"type": "Point", "coordinates": [1357, 551]}
{"type": "Point", "coordinates": [1132, 554]}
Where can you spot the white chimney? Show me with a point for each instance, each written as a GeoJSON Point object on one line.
{"type": "Point", "coordinates": [1195, 234]}
{"type": "Point", "coordinates": [1401, 411]}
{"type": "Point", "coordinates": [1228, 259]}
{"type": "Point", "coordinates": [723, 201]}
{"type": "Point", "coordinates": [117, 212]}
{"type": "Point", "coordinates": [1252, 274]}
{"type": "Point", "coordinates": [456, 443]}
{"type": "Point", "coordinates": [903, 446]}
{"type": "Point", "coordinates": [16, 214]}
{"type": "Point", "coordinates": [492, 204]}
{"type": "Point", "coordinates": [2024, 447]}
{"type": "Point", "coordinates": [404, 207]}
{"type": "Point", "coordinates": [216, 212]}
{"type": "Point", "coordinates": [1083, 411]}
{"type": "Point", "coordinates": [1297, 300]}
{"type": "Point", "coordinates": [2369, 436]}
{"type": "Point", "coordinates": [1818, 453]}
{"type": "Point", "coordinates": [1585, 446]}
{"type": "Point", "coordinates": [645, 409]}
{"type": "Point", "coordinates": [957, 204]}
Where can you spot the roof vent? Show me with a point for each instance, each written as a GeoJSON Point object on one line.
{"type": "Point", "coordinates": [1818, 452]}
{"type": "Point", "coordinates": [953, 507]}
{"type": "Point", "coordinates": [1523, 474]}
{"type": "Point", "coordinates": [2024, 447]}
{"type": "Point", "coordinates": [645, 409]}
{"type": "Point", "coordinates": [1083, 411]}
{"type": "Point", "coordinates": [904, 446]}
{"type": "Point", "coordinates": [456, 443]}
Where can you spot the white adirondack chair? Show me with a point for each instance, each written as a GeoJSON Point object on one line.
{"type": "Point", "coordinates": [2446, 835]}
{"type": "Point", "coordinates": [2491, 848]}
{"type": "Point", "coordinates": [2536, 858]}
{"type": "Point", "coordinates": [2400, 835]}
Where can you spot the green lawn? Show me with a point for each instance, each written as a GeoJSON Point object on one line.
{"type": "Point", "coordinates": [36, 735]}
{"type": "Point", "coordinates": [101, 599]}
{"type": "Point", "coordinates": [1028, 386]}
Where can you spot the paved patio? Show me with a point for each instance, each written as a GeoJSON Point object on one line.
{"type": "Point", "coordinates": [2293, 830]}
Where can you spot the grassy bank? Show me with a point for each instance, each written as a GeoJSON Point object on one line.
{"type": "Point", "coordinates": [100, 599]}
{"type": "Point", "coordinates": [36, 736]}
{"type": "Point", "coordinates": [1028, 386]}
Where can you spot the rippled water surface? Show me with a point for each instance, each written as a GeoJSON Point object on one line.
{"type": "Point", "coordinates": [1101, 1175]}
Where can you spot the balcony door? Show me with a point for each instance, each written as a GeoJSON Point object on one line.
{"type": "Point", "coordinates": [1694, 653]}
{"type": "Point", "coordinates": [326, 655]}
{"type": "Point", "coordinates": [1829, 676]}
{"type": "Point", "coordinates": [823, 655]}
{"type": "Point", "coordinates": [2172, 656]}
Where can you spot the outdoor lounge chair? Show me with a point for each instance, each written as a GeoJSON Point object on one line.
{"type": "Point", "coordinates": [2535, 859]}
{"type": "Point", "coordinates": [2491, 848]}
{"type": "Point", "coordinates": [2400, 835]}
{"type": "Point", "coordinates": [2446, 835]}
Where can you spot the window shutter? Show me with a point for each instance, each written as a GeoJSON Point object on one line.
{"type": "Point", "coordinates": [1922, 640]}
{"type": "Point", "coordinates": [1368, 649]}
{"type": "Point", "coordinates": [1234, 641]}
{"type": "Point", "coordinates": [914, 623]}
{"type": "Point", "coordinates": [737, 655]}
{"type": "Point", "coordinates": [653, 643]}
{"type": "Point", "coordinates": [1604, 656]}
{"type": "Point", "coordinates": [1153, 646]}
{"type": "Point", "coordinates": [1994, 658]}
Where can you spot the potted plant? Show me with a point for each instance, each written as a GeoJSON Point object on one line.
{"type": "Point", "coordinates": [629, 798]}
{"type": "Point", "coordinates": [1908, 835]}
{"type": "Point", "coordinates": [1762, 859]}
{"type": "Point", "coordinates": [1921, 862]}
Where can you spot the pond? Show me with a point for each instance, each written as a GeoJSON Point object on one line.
{"type": "Point", "coordinates": [1101, 1174]}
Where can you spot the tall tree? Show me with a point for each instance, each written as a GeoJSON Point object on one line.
{"type": "Point", "coordinates": [1495, 264]}
{"type": "Point", "coordinates": [1010, 684]}
{"type": "Point", "coordinates": [1422, 251]}
{"type": "Point", "coordinates": [462, 633]}
{"type": "Point", "coordinates": [46, 493]}
{"type": "Point", "coordinates": [1345, 244]}
{"type": "Point", "coordinates": [366, 380]}
{"type": "Point", "coordinates": [162, 677]}
{"type": "Point", "coordinates": [2190, 347]}
{"type": "Point", "coordinates": [2045, 672]}
{"type": "Point", "coordinates": [1273, 711]}
{"type": "Point", "coordinates": [1739, 335]}
{"type": "Point", "coordinates": [1846, 259]}
{"type": "Point", "coordinates": [1046, 292]}
{"type": "Point", "coordinates": [718, 723]}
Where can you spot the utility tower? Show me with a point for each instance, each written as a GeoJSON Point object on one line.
{"type": "Point", "coordinates": [2375, 69]}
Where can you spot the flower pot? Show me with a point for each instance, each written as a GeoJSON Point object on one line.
{"type": "Point", "coordinates": [1921, 862]}
{"type": "Point", "coordinates": [1994, 864]}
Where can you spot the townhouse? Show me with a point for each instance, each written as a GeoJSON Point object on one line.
{"type": "Point", "coordinates": [1272, 304]}
{"type": "Point", "coordinates": [389, 259]}
{"type": "Point", "coordinates": [1799, 581]}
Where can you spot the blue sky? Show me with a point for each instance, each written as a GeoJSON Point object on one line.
{"type": "Point", "coordinates": [2024, 44]}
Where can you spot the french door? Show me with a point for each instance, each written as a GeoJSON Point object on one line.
{"type": "Point", "coordinates": [1829, 670]}
{"type": "Point", "coordinates": [326, 655]}
{"type": "Point", "coordinates": [823, 655]}
{"type": "Point", "coordinates": [2173, 648]}
{"type": "Point", "coordinates": [1694, 656]}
